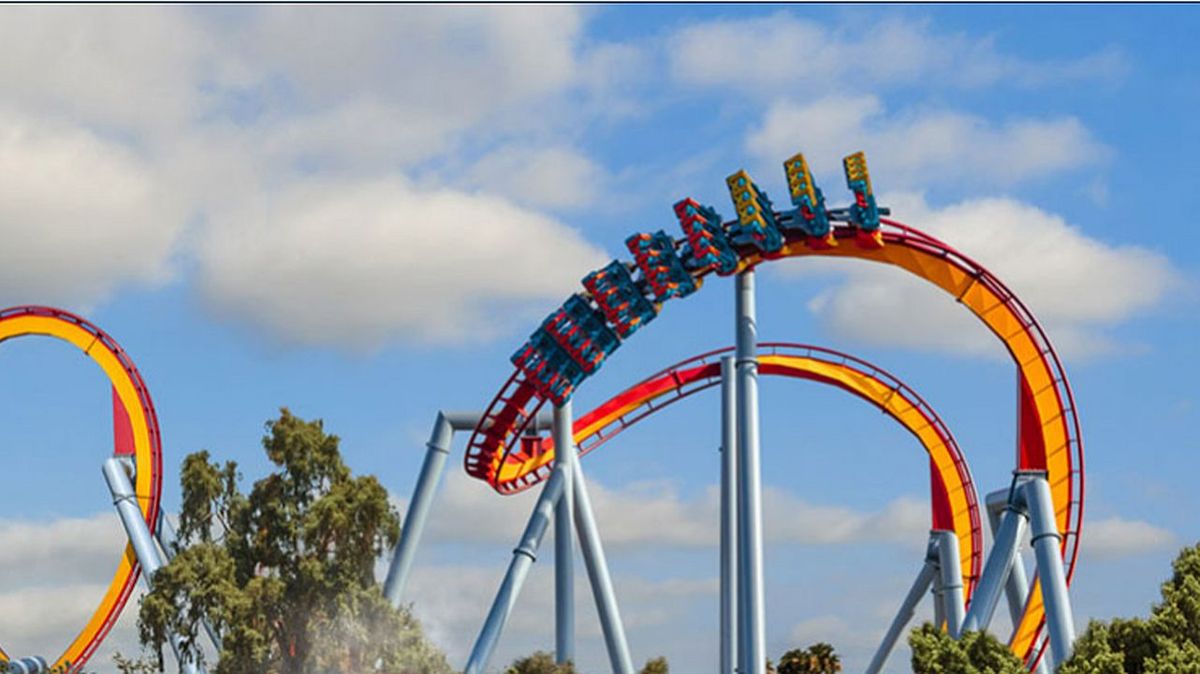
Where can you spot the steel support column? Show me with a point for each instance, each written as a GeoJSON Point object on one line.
{"type": "Point", "coordinates": [165, 535]}
{"type": "Point", "coordinates": [996, 569]}
{"type": "Point", "coordinates": [939, 605]}
{"type": "Point", "coordinates": [437, 450]}
{"type": "Point", "coordinates": [908, 608]}
{"type": "Point", "coordinates": [753, 646]}
{"type": "Point", "coordinates": [950, 575]}
{"type": "Point", "coordinates": [523, 557]}
{"type": "Point", "coordinates": [126, 502]}
{"type": "Point", "coordinates": [31, 665]}
{"type": "Point", "coordinates": [729, 477]}
{"type": "Point", "coordinates": [597, 568]}
{"type": "Point", "coordinates": [564, 536]}
{"type": "Point", "coordinates": [1047, 543]}
{"type": "Point", "coordinates": [1016, 589]}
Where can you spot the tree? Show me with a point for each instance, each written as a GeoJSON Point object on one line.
{"type": "Point", "coordinates": [540, 662]}
{"type": "Point", "coordinates": [1168, 642]}
{"type": "Point", "coordinates": [285, 573]}
{"type": "Point", "coordinates": [818, 658]}
{"type": "Point", "coordinates": [934, 652]}
{"type": "Point", "coordinates": [656, 666]}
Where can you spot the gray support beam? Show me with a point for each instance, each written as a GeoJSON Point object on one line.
{"type": "Point", "coordinates": [32, 665]}
{"type": "Point", "coordinates": [1047, 543]}
{"type": "Point", "coordinates": [1016, 589]}
{"type": "Point", "coordinates": [437, 450]}
{"type": "Point", "coordinates": [753, 645]}
{"type": "Point", "coordinates": [564, 536]}
{"type": "Point", "coordinates": [125, 500]}
{"type": "Point", "coordinates": [995, 570]}
{"type": "Point", "coordinates": [729, 476]}
{"type": "Point", "coordinates": [939, 603]}
{"type": "Point", "coordinates": [950, 575]}
{"type": "Point", "coordinates": [597, 568]}
{"type": "Point", "coordinates": [523, 557]}
{"type": "Point", "coordinates": [165, 535]}
{"type": "Point", "coordinates": [908, 608]}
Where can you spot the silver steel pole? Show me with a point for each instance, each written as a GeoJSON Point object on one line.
{"type": "Point", "coordinates": [437, 450]}
{"type": "Point", "coordinates": [753, 648]}
{"type": "Point", "coordinates": [995, 570]}
{"type": "Point", "coordinates": [32, 665]}
{"type": "Point", "coordinates": [1016, 588]}
{"type": "Point", "coordinates": [939, 605]}
{"type": "Point", "coordinates": [125, 500]}
{"type": "Point", "coordinates": [950, 572]}
{"type": "Point", "coordinates": [523, 557]}
{"type": "Point", "coordinates": [597, 568]}
{"type": "Point", "coordinates": [908, 609]}
{"type": "Point", "coordinates": [165, 535]}
{"type": "Point", "coordinates": [564, 536]}
{"type": "Point", "coordinates": [1047, 541]}
{"type": "Point", "coordinates": [729, 473]}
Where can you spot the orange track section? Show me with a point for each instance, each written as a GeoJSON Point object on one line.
{"type": "Point", "coordinates": [1049, 435]}
{"type": "Point", "coordinates": [133, 399]}
{"type": "Point", "coordinates": [950, 475]}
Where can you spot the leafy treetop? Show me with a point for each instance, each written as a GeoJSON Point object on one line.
{"type": "Point", "coordinates": [285, 573]}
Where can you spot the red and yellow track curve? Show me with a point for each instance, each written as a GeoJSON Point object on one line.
{"type": "Point", "coordinates": [954, 501]}
{"type": "Point", "coordinates": [1049, 435]}
{"type": "Point", "coordinates": [135, 434]}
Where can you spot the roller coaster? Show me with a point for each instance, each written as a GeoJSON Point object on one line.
{"type": "Point", "coordinates": [527, 436]}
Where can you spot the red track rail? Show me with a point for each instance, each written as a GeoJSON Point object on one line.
{"type": "Point", "coordinates": [495, 440]}
{"type": "Point", "coordinates": [147, 405]}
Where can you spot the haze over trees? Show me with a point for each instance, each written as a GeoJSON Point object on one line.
{"type": "Point", "coordinates": [286, 572]}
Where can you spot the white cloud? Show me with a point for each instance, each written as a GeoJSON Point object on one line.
{"type": "Point", "coordinates": [80, 215]}
{"type": "Point", "coordinates": [656, 514]}
{"type": "Point", "coordinates": [760, 55]}
{"type": "Point", "coordinates": [298, 138]}
{"type": "Point", "coordinates": [53, 575]}
{"type": "Point", "coordinates": [540, 177]}
{"type": "Point", "coordinates": [452, 600]}
{"type": "Point", "coordinates": [377, 87]}
{"type": "Point", "coordinates": [1077, 286]}
{"type": "Point", "coordinates": [362, 262]}
{"type": "Point", "coordinates": [458, 58]}
{"type": "Point", "coordinates": [923, 146]}
{"type": "Point", "coordinates": [1116, 537]}
{"type": "Point", "coordinates": [90, 64]}
{"type": "Point", "coordinates": [74, 550]}
{"type": "Point", "coordinates": [41, 621]}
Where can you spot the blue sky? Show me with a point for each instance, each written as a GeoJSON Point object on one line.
{"type": "Point", "coordinates": [361, 212]}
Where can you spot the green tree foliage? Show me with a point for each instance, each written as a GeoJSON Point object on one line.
{"type": "Point", "coordinates": [1168, 642]}
{"type": "Point", "coordinates": [934, 652]}
{"type": "Point", "coordinates": [540, 662]}
{"type": "Point", "coordinates": [285, 573]}
{"type": "Point", "coordinates": [126, 665]}
{"type": "Point", "coordinates": [818, 658]}
{"type": "Point", "coordinates": [656, 666]}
